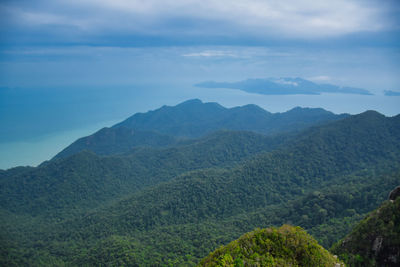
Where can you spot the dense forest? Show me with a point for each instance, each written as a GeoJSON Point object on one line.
{"type": "Point", "coordinates": [375, 241]}
{"type": "Point", "coordinates": [169, 186]}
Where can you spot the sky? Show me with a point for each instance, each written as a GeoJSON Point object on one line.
{"type": "Point", "coordinates": [68, 68]}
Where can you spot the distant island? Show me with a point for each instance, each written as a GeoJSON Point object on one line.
{"type": "Point", "coordinates": [284, 86]}
{"type": "Point", "coordinates": [391, 93]}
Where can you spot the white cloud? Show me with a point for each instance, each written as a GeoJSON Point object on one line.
{"type": "Point", "coordinates": [52, 19]}
{"type": "Point", "coordinates": [212, 53]}
{"type": "Point", "coordinates": [290, 18]}
{"type": "Point", "coordinates": [321, 78]}
{"type": "Point", "coordinates": [293, 17]}
{"type": "Point", "coordinates": [283, 81]}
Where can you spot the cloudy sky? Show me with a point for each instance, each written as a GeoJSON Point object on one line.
{"type": "Point", "coordinates": [70, 67]}
{"type": "Point", "coordinates": [177, 22]}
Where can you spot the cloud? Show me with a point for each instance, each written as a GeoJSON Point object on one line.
{"type": "Point", "coordinates": [299, 19]}
{"type": "Point", "coordinates": [212, 53]}
{"type": "Point", "coordinates": [285, 82]}
{"type": "Point", "coordinates": [293, 17]}
{"type": "Point", "coordinates": [235, 52]}
{"type": "Point", "coordinates": [321, 78]}
{"type": "Point", "coordinates": [39, 19]}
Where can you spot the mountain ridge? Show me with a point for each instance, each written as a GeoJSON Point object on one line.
{"type": "Point", "coordinates": [193, 119]}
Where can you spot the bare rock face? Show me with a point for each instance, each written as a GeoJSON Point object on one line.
{"type": "Point", "coordinates": [395, 193]}
{"type": "Point", "coordinates": [377, 245]}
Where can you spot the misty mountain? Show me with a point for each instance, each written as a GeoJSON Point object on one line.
{"type": "Point", "coordinates": [192, 119]}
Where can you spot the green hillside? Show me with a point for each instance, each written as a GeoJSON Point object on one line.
{"type": "Point", "coordinates": [375, 241]}
{"type": "Point", "coordinates": [284, 246]}
{"type": "Point", "coordinates": [166, 126]}
{"type": "Point", "coordinates": [85, 180]}
{"type": "Point", "coordinates": [108, 141]}
{"type": "Point", "coordinates": [172, 206]}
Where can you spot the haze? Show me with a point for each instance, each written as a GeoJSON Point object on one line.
{"type": "Point", "coordinates": [68, 68]}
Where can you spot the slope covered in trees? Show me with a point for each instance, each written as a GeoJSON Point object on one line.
{"type": "Point", "coordinates": [160, 206]}
{"type": "Point", "coordinates": [108, 141]}
{"type": "Point", "coordinates": [193, 119]}
{"type": "Point", "coordinates": [375, 241]}
{"type": "Point", "coordinates": [85, 180]}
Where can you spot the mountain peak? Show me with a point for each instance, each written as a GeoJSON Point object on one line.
{"type": "Point", "coordinates": [305, 112]}
{"type": "Point", "coordinates": [193, 119]}
{"type": "Point", "coordinates": [372, 113]}
{"type": "Point", "coordinates": [369, 116]}
{"type": "Point", "coordinates": [252, 108]}
{"type": "Point", "coordinates": [194, 101]}
{"type": "Point", "coordinates": [284, 246]}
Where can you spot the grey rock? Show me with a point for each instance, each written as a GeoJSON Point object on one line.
{"type": "Point", "coordinates": [395, 193]}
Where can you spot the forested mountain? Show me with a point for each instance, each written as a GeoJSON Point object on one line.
{"type": "Point", "coordinates": [192, 119]}
{"type": "Point", "coordinates": [173, 205]}
{"type": "Point", "coordinates": [375, 241]}
{"type": "Point", "coordinates": [284, 246]}
{"type": "Point", "coordinates": [85, 179]}
{"type": "Point", "coordinates": [108, 141]}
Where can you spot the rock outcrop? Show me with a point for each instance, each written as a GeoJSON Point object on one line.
{"type": "Point", "coordinates": [394, 193]}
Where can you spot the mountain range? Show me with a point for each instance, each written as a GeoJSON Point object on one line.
{"type": "Point", "coordinates": [193, 119]}
{"type": "Point", "coordinates": [199, 176]}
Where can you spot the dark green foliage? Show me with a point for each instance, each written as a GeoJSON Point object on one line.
{"type": "Point", "coordinates": [108, 141]}
{"type": "Point", "coordinates": [163, 127]}
{"type": "Point", "coordinates": [114, 250]}
{"type": "Point", "coordinates": [284, 246]}
{"type": "Point", "coordinates": [86, 180]}
{"type": "Point", "coordinates": [375, 241]}
{"type": "Point", "coordinates": [158, 236]}
{"type": "Point", "coordinates": [172, 206]}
